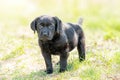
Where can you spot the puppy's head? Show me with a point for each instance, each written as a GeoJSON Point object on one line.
{"type": "Point", "coordinates": [46, 27]}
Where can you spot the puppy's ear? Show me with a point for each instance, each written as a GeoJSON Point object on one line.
{"type": "Point", "coordinates": [58, 24]}
{"type": "Point", "coordinates": [33, 25]}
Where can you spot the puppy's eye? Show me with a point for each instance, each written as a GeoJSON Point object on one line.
{"type": "Point", "coordinates": [50, 27]}
{"type": "Point", "coordinates": [40, 27]}
{"type": "Point", "coordinates": [41, 24]}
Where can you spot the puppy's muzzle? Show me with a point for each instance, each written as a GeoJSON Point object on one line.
{"type": "Point", "coordinates": [45, 33]}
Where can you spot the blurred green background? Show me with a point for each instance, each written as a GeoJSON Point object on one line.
{"type": "Point", "coordinates": [97, 14]}
{"type": "Point", "coordinates": [20, 57]}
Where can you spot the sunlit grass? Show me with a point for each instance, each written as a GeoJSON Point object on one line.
{"type": "Point", "coordinates": [90, 74]}
{"type": "Point", "coordinates": [17, 52]}
{"type": "Point", "coordinates": [117, 57]}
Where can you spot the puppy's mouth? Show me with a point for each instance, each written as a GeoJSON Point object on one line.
{"type": "Point", "coordinates": [44, 38]}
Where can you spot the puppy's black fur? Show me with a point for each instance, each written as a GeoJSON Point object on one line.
{"type": "Point", "coordinates": [58, 39]}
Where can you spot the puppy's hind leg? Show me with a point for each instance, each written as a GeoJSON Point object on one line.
{"type": "Point", "coordinates": [81, 48]}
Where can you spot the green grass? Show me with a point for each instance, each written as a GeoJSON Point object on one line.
{"type": "Point", "coordinates": [20, 57]}
{"type": "Point", "coordinates": [90, 74]}
{"type": "Point", "coordinates": [17, 52]}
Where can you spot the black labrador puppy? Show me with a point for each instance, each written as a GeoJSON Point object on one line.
{"type": "Point", "coordinates": [58, 39]}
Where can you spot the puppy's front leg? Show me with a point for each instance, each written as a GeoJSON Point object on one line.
{"type": "Point", "coordinates": [47, 58]}
{"type": "Point", "coordinates": [63, 62]}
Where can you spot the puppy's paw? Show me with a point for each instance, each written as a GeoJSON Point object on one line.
{"type": "Point", "coordinates": [49, 71]}
{"type": "Point", "coordinates": [81, 59]}
{"type": "Point", "coordinates": [62, 70]}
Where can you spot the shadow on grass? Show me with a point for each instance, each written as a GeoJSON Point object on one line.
{"type": "Point", "coordinates": [41, 75]}
{"type": "Point", "coordinates": [38, 75]}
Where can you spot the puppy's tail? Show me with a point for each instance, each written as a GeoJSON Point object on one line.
{"type": "Point", "coordinates": [80, 21]}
